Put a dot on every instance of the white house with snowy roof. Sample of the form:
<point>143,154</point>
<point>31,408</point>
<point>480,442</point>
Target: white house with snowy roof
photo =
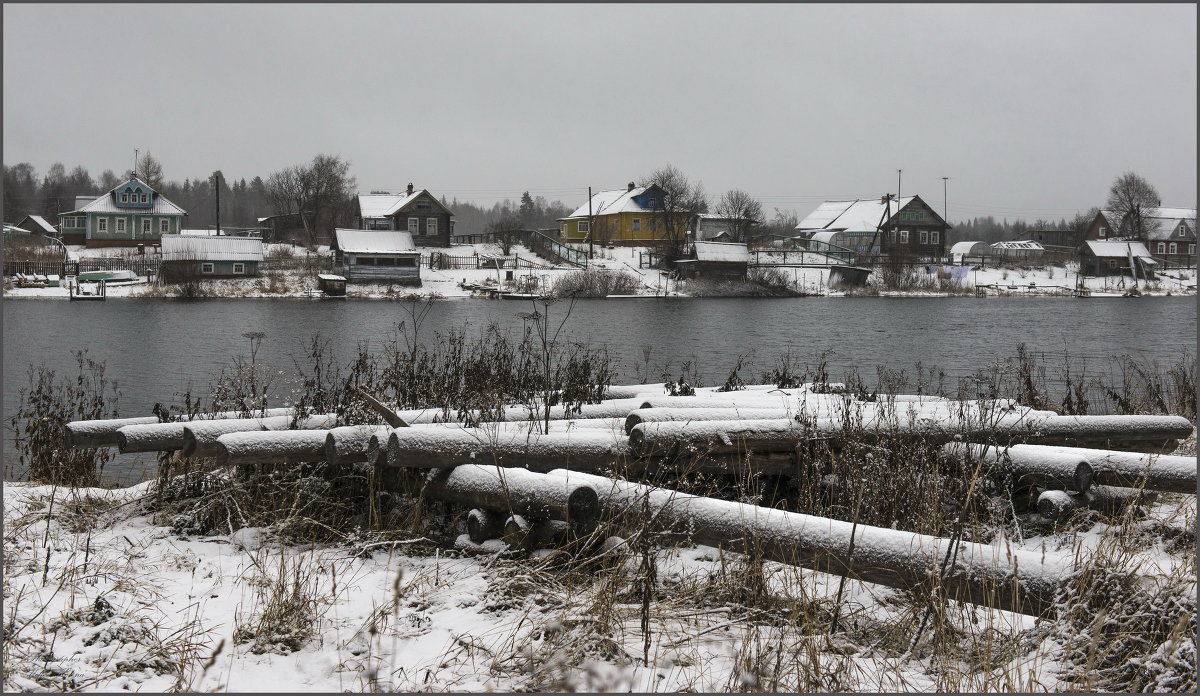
<point>884,226</point>
<point>418,212</point>
<point>132,213</point>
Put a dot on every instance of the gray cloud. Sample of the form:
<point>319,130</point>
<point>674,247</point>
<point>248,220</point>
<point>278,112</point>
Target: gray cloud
<point>1031,110</point>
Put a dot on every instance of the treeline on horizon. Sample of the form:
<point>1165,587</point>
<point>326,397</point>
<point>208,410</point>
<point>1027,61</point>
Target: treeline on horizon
<point>243,201</point>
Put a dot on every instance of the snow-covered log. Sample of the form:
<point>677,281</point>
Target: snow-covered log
<point>523,533</point>
<point>484,524</point>
<point>740,399</point>
<point>670,438</point>
<point>661,415</point>
<point>103,432</point>
<point>349,443</point>
<point>631,391</point>
<point>515,491</point>
<point>1158,472</point>
<point>1062,472</point>
<point>1110,500</point>
<point>264,447</point>
<point>1005,578</point>
<point>200,439</point>
<point>527,426</point>
<point>437,448</point>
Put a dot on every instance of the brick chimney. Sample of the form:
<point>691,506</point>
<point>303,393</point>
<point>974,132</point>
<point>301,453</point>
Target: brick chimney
<point>410,189</point>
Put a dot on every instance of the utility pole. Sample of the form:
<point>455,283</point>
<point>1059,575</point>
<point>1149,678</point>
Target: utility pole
<point>945,213</point>
<point>217,186</point>
<point>591,233</point>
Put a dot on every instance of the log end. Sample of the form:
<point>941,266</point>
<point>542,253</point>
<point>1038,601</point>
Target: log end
<point>583,505</point>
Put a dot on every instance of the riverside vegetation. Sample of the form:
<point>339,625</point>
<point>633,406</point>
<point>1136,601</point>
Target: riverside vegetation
<point>1113,629</point>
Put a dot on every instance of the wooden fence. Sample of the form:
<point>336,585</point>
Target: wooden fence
<point>142,266</point>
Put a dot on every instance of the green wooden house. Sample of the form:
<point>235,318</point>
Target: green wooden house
<point>130,214</point>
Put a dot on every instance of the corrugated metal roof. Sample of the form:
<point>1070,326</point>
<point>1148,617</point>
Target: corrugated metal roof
<point>851,216</point>
<point>105,204</point>
<point>722,251</point>
<point>375,241</point>
<point>1110,249</point>
<point>177,247</point>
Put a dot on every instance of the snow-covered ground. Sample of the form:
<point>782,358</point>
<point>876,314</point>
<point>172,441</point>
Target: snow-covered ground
<point>457,283</point>
<point>101,597</point>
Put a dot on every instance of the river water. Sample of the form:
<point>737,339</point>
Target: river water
<point>156,348</point>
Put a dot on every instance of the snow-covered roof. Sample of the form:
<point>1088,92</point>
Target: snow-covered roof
<point>825,236</point>
<point>969,249</point>
<point>177,247</point>
<point>1115,249</point>
<point>378,205</point>
<point>851,216</point>
<point>375,241</point>
<point>41,223</point>
<point>107,204</point>
<point>15,229</point>
<point>1018,245</point>
<point>611,202</point>
<point>722,251</point>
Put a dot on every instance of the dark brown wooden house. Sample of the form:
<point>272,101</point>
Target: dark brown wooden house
<point>419,213</point>
<point>908,228</point>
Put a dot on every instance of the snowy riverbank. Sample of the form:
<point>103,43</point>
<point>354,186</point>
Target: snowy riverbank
<point>808,281</point>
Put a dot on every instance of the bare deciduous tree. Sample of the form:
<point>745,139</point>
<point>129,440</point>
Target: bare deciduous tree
<point>150,171</point>
<point>681,199</point>
<point>321,193</point>
<point>506,232</point>
<point>1134,200</point>
<point>743,211</point>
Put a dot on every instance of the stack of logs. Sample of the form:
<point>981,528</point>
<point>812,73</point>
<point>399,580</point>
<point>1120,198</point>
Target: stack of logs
<point>536,489</point>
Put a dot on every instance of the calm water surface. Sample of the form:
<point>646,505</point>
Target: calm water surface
<point>156,348</point>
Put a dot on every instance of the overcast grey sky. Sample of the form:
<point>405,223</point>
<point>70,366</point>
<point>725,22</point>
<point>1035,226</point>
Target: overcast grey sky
<point>1031,110</point>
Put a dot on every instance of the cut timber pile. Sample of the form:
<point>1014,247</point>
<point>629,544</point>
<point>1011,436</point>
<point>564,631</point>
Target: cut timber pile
<point>529,487</point>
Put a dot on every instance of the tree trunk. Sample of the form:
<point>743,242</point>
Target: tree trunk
<point>435,448</point>
<point>484,524</point>
<point>200,439</point>
<point>1066,472</point>
<point>103,432</point>
<point>1110,500</point>
<point>350,443</point>
<point>257,447</point>
<point>1005,578</point>
<point>515,491</point>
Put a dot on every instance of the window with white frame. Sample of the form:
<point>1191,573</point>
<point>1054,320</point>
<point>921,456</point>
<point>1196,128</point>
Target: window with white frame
<point>652,203</point>
<point>431,226</point>
<point>1103,232</point>
<point>120,224</point>
<point>414,225</point>
<point>924,236</point>
<point>1162,247</point>
<point>124,197</point>
<point>904,236</point>
<point>101,224</point>
<point>164,226</point>
<point>1112,264</point>
<point>637,224</point>
<point>1192,249</point>
<point>584,227</point>
<point>206,268</point>
<point>239,268</point>
<point>1174,248</point>
<point>935,237</point>
<point>145,225</point>
<point>144,199</point>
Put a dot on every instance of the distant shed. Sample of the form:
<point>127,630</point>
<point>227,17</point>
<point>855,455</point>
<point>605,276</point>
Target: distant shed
<point>727,260</point>
<point>1114,257</point>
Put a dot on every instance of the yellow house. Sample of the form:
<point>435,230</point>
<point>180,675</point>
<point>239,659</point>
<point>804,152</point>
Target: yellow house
<point>631,216</point>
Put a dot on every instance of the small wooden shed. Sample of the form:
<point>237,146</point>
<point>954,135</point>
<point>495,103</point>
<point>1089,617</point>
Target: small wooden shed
<point>387,256</point>
<point>1115,257</point>
<point>726,260</point>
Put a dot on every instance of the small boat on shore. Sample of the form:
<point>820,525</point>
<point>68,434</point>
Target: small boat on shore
<point>112,278</point>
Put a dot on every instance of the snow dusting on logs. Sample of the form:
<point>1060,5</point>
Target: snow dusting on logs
<point>516,491</point>
<point>1004,578</point>
<point>200,439</point>
<point>1151,471</point>
<point>104,432</point>
<point>264,447</point>
<point>349,444</point>
<point>441,448</point>
<point>1064,473</point>
<point>1110,500</point>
